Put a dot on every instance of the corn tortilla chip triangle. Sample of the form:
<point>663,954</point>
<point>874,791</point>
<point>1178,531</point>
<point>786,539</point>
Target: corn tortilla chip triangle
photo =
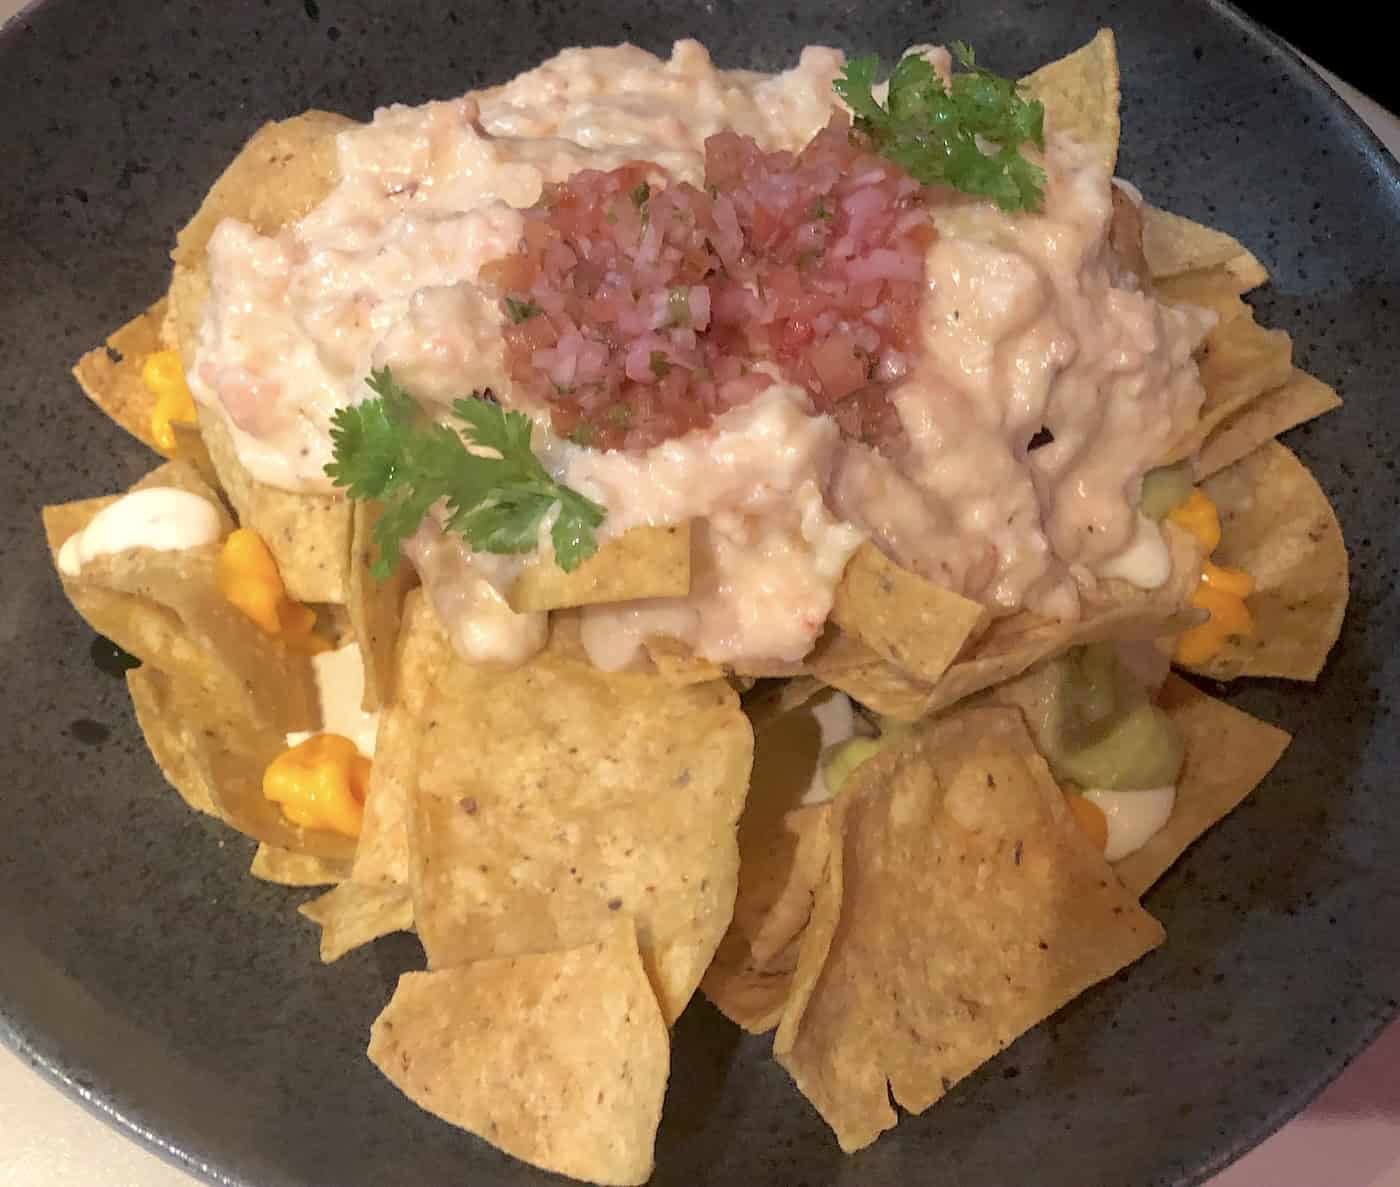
<point>1013,644</point>
<point>285,868</point>
<point>1299,400</point>
<point>382,856</point>
<point>769,700</point>
<point>1277,525</point>
<point>1228,754</point>
<point>560,1058</point>
<point>374,606</point>
<point>912,623</point>
<point>1080,94</point>
<point>110,375</point>
<point>354,914</point>
<point>307,533</point>
<point>1174,245</point>
<point>645,562</point>
<point>280,174</point>
<point>165,609</point>
<point>843,661</point>
<point>553,796</point>
<point>1239,362</point>
<point>677,664</point>
<point>783,851</point>
<point>284,170</point>
<point>1214,289</point>
<point>970,908</point>
<point>173,751</point>
<point>215,757</point>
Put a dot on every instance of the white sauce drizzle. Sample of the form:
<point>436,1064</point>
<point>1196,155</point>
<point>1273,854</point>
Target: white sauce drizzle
<point>1134,817</point>
<point>159,517</point>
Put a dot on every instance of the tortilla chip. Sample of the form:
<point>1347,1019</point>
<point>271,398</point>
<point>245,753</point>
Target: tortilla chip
<point>769,700</point>
<point>1080,94</point>
<point>1174,245</point>
<point>783,851</point>
<point>559,1059</point>
<point>553,796</point>
<point>1014,644</point>
<point>1239,362</point>
<point>110,375</point>
<point>912,623</point>
<point>279,175</point>
<point>215,757</point>
<point>677,664</point>
<point>285,868</point>
<point>190,447</point>
<point>375,607</point>
<point>166,741</point>
<point>353,915</point>
<point>1299,400</point>
<point>284,170</point>
<point>843,661</point>
<point>1277,525</point>
<point>645,562</point>
<point>165,609</point>
<point>1228,753</point>
<point>1214,288</point>
<point>382,856</point>
<point>308,534</point>
<point>971,907</point>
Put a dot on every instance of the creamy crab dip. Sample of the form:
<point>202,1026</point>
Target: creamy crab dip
<point>978,392</point>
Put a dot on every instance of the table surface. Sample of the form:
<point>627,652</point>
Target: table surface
<point>1349,1137</point>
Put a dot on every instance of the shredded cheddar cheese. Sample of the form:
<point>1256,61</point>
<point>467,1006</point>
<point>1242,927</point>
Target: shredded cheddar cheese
<point>248,578</point>
<point>164,378</point>
<point>320,783</point>
<point>1221,592</point>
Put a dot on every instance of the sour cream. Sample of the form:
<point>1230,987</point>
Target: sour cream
<point>340,681</point>
<point>161,518</point>
<point>1134,817</point>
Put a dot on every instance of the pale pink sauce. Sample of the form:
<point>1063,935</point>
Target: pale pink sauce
<point>1028,322</point>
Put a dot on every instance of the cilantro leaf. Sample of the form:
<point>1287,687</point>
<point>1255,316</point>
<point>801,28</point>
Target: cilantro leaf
<point>521,310</point>
<point>968,135</point>
<point>497,493</point>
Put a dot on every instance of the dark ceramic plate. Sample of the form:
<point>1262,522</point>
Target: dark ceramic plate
<point>142,968</point>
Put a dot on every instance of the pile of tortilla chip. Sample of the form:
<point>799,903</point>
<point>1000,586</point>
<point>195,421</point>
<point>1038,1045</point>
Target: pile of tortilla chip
<point>579,851</point>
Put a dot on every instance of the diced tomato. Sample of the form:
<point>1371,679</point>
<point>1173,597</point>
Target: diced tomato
<point>638,308</point>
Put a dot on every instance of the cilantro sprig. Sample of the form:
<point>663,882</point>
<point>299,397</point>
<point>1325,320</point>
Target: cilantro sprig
<point>968,136</point>
<point>384,450</point>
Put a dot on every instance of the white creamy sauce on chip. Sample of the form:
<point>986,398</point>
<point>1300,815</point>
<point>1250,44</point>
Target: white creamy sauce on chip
<point>161,518</point>
<point>837,722</point>
<point>766,552</point>
<point>1134,817</point>
<point>468,591</point>
<point>1029,323</point>
<point>340,682</point>
<point>1027,328</point>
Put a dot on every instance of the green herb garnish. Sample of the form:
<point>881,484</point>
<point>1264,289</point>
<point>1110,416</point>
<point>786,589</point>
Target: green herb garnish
<point>385,451</point>
<point>967,136</point>
<point>521,310</point>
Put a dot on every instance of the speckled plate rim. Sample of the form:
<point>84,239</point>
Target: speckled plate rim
<point>44,1050</point>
